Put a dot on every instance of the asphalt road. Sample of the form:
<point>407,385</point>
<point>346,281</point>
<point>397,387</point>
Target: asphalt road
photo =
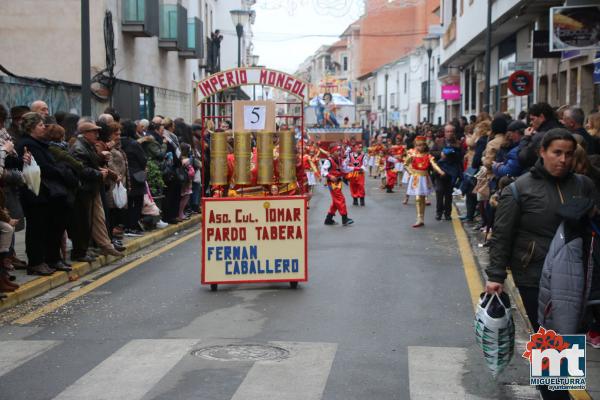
<point>386,314</point>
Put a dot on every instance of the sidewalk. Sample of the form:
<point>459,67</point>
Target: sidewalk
<point>33,286</point>
<point>481,253</point>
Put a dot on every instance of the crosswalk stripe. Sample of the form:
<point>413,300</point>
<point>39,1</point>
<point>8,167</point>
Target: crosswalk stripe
<point>14,353</point>
<point>130,372</point>
<point>302,376</point>
<point>437,373</point>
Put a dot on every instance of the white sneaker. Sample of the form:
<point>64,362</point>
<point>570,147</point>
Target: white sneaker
<point>161,224</point>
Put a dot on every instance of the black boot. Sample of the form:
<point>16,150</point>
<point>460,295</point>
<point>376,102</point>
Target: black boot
<point>329,220</point>
<point>346,221</point>
<point>355,201</point>
<point>362,201</point>
<point>389,190</point>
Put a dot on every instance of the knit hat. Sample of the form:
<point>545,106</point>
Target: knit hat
<point>499,125</point>
<point>516,126</point>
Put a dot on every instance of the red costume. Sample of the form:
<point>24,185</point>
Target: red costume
<point>334,172</point>
<point>356,178</point>
<point>391,175</point>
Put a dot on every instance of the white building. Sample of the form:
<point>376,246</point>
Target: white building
<point>404,83</point>
<point>160,48</point>
<point>556,81</point>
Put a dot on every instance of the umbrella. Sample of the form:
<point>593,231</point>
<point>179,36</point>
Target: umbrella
<point>336,99</point>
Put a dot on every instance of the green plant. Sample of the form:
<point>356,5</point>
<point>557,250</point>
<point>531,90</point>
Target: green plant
<point>154,178</point>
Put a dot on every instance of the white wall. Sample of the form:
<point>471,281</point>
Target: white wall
<point>472,22</point>
<point>229,45</point>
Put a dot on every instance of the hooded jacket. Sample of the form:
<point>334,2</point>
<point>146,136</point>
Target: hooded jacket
<point>524,227</point>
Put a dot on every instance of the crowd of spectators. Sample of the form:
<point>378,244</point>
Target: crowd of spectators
<point>553,156</point>
<point>99,181</point>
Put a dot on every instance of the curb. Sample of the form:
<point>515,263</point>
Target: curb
<point>511,289</point>
<point>44,284</point>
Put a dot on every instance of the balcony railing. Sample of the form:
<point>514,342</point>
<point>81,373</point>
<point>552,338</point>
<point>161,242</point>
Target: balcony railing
<point>173,26</point>
<point>195,47</point>
<point>140,17</point>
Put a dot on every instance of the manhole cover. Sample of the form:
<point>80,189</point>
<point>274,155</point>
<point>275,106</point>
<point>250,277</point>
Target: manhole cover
<point>242,352</point>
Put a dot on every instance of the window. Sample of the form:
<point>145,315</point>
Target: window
<point>473,90</point>
<point>379,101</point>
<point>345,63</point>
<point>206,22</point>
<point>467,91</point>
<point>393,99</point>
<point>405,82</point>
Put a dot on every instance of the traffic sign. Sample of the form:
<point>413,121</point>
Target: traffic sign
<point>523,66</point>
<point>520,83</point>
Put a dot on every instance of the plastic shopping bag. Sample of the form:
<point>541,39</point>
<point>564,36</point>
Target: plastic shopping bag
<point>150,208</point>
<point>33,176</point>
<point>495,330</point>
<point>120,195</point>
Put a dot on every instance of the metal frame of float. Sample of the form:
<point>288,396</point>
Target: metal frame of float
<point>236,78</point>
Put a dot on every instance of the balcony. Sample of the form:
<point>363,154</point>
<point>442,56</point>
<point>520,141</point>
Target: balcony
<point>140,17</point>
<point>195,46</point>
<point>173,26</point>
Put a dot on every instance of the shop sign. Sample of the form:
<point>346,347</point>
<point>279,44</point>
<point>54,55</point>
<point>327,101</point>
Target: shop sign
<point>451,92</point>
<point>541,45</point>
<point>574,28</point>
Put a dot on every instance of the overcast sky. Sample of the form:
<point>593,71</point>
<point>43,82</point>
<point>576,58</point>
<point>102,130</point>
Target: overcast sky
<point>281,28</point>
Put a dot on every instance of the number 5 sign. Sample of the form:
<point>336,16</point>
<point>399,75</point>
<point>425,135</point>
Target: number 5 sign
<point>254,116</point>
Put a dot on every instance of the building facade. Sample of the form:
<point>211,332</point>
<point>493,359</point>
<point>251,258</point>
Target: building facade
<point>145,54</point>
<point>568,79</point>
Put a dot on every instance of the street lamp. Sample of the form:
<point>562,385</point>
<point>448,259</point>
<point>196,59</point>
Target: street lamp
<point>385,115</point>
<point>254,63</point>
<point>253,60</point>
<point>429,42</point>
<point>240,18</point>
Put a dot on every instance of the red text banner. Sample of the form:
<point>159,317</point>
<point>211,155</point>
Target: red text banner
<point>252,76</point>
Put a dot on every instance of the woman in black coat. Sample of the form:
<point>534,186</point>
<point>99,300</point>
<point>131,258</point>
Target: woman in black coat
<point>136,160</point>
<point>45,212</point>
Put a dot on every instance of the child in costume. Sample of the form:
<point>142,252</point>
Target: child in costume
<point>406,174</point>
<point>334,169</point>
<point>418,165</point>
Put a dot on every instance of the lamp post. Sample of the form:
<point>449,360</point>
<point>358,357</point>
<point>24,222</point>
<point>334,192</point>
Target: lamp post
<point>385,114</point>
<point>429,42</point>
<point>240,18</point>
<point>254,63</point>
<point>86,98</point>
<point>488,58</point>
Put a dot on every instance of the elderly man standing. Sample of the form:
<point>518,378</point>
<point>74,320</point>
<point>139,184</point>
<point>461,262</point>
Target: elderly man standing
<point>574,119</point>
<point>88,197</point>
<point>449,158</point>
<point>41,108</point>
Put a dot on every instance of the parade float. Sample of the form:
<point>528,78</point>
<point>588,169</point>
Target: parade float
<point>254,226</point>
